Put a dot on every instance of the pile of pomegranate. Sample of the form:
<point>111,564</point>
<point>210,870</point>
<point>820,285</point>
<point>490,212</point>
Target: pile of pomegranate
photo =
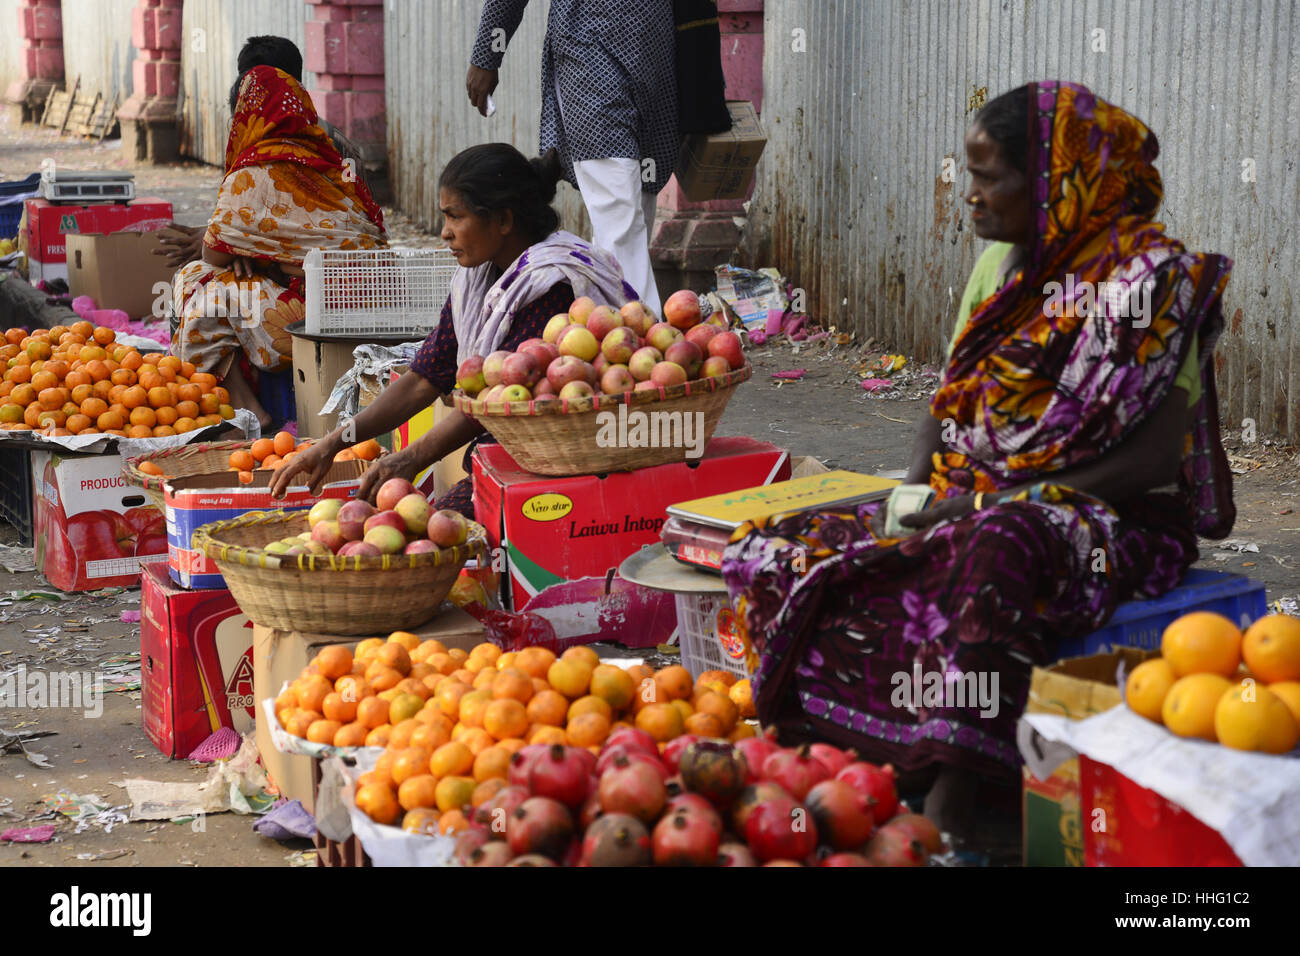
<point>701,802</point>
<point>598,349</point>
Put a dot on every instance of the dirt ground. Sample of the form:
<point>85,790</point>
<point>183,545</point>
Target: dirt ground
<point>825,414</point>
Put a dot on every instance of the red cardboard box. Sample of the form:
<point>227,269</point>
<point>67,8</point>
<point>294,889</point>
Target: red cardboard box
<point>196,664</point>
<point>48,224</point>
<point>1140,827</point>
<point>202,499</point>
<point>93,529</point>
<point>563,539</point>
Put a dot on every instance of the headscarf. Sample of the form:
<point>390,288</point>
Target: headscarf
<point>1034,390</point>
<point>482,308</point>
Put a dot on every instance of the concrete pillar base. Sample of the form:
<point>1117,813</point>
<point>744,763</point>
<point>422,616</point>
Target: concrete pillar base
<point>150,130</point>
<point>688,245</point>
<point>24,101</point>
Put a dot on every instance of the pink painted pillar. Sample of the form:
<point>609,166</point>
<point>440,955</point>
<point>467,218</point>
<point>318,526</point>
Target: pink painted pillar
<point>149,118</point>
<point>345,49</point>
<point>692,237</point>
<point>40,24</point>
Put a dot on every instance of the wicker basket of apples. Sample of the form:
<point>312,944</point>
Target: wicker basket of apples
<point>344,567</point>
<point>607,390</point>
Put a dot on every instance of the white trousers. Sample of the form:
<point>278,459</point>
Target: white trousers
<point>622,217</point>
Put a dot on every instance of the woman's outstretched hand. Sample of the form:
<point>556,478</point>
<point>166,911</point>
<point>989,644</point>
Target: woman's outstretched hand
<point>400,464</point>
<point>312,462</point>
<point>949,509</point>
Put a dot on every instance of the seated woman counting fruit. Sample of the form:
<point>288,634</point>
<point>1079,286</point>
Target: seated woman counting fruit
<point>286,191</point>
<point>518,272</point>
<point>1072,448</point>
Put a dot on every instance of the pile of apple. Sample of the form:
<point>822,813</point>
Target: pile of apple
<point>403,523</point>
<point>595,348</point>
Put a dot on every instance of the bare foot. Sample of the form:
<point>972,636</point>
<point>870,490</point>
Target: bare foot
<point>241,396</point>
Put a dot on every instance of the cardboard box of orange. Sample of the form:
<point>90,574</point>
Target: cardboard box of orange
<point>279,656</point>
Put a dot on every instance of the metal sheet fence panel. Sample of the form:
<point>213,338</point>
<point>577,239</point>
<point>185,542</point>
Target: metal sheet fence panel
<point>213,31</point>
<point>426,49</point>
<point>852,205</point>
<point>97,46</point>
<point>11,44</point>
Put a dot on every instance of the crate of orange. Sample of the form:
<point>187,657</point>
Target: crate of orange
<point>198,484</point>
<point>79,380</point>
<point>329,593</point>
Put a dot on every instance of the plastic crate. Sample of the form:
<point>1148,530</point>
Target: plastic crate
<point>376,291</point>
<point>12,196</point>
<point>706,633</point>
<point>275,392</point>
<point>16,492</point>
<point>1141,623</point>
<point>21,188</point>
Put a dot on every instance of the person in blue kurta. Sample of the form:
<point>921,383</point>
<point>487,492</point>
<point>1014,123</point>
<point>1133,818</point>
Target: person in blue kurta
<point>609,107</point>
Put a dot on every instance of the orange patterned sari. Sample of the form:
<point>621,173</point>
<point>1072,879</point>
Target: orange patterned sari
<point>286,191</point>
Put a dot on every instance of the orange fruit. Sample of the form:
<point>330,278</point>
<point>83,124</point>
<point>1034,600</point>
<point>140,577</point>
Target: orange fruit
<point>378,802</point>
<point>409,762</point>
<point>411,685</point>
<point>570,677</point>
<point>1289,693</point>
<point>583,655</point>
<point>661,721</point>
<point>1251,717</point>
<point>144,415</point>
<point>512,683</point>
<point>378,737</point>
<point>1202,642</point>
<point>282,444</point>
<point>548,707</point>
<point>299,723</point>
<point>451,759</point>
<point>422,820</point>
<point>79,423</point>
<point>367,450</point>
<point>372,711</point>
<point>262,448</point>
<point>313,691</point>
<point>418,791</point>
<point>588,730</point>
<point>351,735</point>
<point>453,821</point>
<point>673,683</point>
<point>548,735</point>
<point>684,708</point>
<point>381,677</point>
<point>167,416</point>
<point>486,790</point>
<point>742,731</point>
<point>449,696</point>
<point>473,706</point>
<point>420,654</point>
<point>704,725</point>
<point>333,662</point>
<point>191,410</point>
<point>430,736</point>
<point>404,706</point>
<point>395,656</point>
<point>323,731</point>
<point>533,661</point>
<point>487,651</point>
<point>590,704</point>
<point>335,707</point>
<point>1147,686</point>
<point>506,717</point>
<point>1271,648</point>
<point>454,792</point>
<point>492,763</point>
<point>720,706</point>
<point>1188,709</point>
<point>742,695</point>
<point>613,685</point>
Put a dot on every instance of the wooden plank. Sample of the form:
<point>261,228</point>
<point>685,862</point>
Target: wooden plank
<point>71,99</point>
<point>49,99</point>
<point>83,112</point>
<point>107,118</point>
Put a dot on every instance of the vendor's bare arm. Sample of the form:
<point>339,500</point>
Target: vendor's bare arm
<point>928,441</point>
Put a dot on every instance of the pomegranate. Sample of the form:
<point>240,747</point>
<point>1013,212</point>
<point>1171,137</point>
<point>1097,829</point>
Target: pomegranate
<point>919,828</point>
<point>751,797</point>
<point>531,859</point>
<point>693,803</point>
<point>875,783</point>
<point>895,847</point>
<point>684,839</point>
<point>608,756</point>
<point>735,854</point>
<point>588,759</point>
<point>496,812</point>
<point>781,829</point>
<point>540,825</point>
<point>590,811</point>
<point>632,787</point>
<point>521,764</point>
<point>616,839</point>
<point>634,738</point>
<point>469,841</point>
<point>561,775</point>
<point>673,750</point>
<point>756,750</point>
<point>783,863</point>
<point>834,758</point>
<point>844,816</point>
<point>715,770</point>
<point>795,770</point>
<point>845,859</point>
<point>493,853</point>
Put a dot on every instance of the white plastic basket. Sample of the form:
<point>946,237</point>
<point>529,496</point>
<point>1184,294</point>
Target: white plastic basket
<point>706,632</point>
<point>359,292</point>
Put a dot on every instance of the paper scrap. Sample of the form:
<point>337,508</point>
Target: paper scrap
<point>41,834</point>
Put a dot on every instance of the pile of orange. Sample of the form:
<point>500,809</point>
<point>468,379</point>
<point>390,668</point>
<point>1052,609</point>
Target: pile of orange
<point>1212,682</point>
<point>77,380</point>
<point>450,720</point>
<point>273,452</point>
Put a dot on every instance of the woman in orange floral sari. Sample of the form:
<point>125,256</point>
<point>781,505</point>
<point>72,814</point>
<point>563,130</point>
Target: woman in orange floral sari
<point>286,191</point>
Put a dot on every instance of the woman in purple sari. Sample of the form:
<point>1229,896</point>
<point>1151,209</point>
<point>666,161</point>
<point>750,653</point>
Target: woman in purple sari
<point>1072,445</point>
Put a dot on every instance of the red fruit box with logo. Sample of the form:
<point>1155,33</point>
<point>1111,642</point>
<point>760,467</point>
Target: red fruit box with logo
<point>93,528</point>
<point>562,539</point>
<point>49,224</point>
<point>196,664</point>
<point>202,499</point>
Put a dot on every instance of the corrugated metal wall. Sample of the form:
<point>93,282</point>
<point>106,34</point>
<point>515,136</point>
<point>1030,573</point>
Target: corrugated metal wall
<point>426,50</point>
<point>97,46</point>
<point>851,205</point>
<point>11,44</point>
<point>208,63</point>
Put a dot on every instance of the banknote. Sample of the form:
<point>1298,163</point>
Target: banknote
<point>905,500</point>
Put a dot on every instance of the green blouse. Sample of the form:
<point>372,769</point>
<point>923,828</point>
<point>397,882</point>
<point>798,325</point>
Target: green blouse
<point>986,278</point>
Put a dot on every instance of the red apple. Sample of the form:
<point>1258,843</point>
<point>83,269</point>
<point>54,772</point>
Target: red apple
<point>617,380</point>
<point>543,388</point>
<point>363,549</point>
<point>727,345</point>
<point>554,326</point>
<point>352,518</point>
<point>543,353</point>
<point>714,366</point>
<point>327,509</point>
<point>682,310</point>
<point>493,366</point>
<point>391,492</point>
<point>390,519</point>
<point>447,528</point>
<point>577,340</point>
<point>415,511</point>
<point>668,373</point>
<point>386,538</point>
<point>619,345</point>
<point>576,390</point>
<point>600,364</point>
<point>493,394</point>
<point>469,376</point>
<point>643,360</point>
<point>662,335</point>
<point>516,393</point>
<point>327,533</point>
<point>581,308</point>
<point>637,317</point>
<point>646,386</point>
<point>420,546</point>
<point>701,334</point>
<point>687,355</point>
<point>519,368</point>
<point>602,321</point>
<point>566,369</point>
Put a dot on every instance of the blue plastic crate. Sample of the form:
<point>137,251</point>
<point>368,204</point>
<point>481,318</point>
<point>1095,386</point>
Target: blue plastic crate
<point>1141,623</point>
<point>12,196</point>
<point>275,392</point>
<point>11,213</point>
<point>20,187</point>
